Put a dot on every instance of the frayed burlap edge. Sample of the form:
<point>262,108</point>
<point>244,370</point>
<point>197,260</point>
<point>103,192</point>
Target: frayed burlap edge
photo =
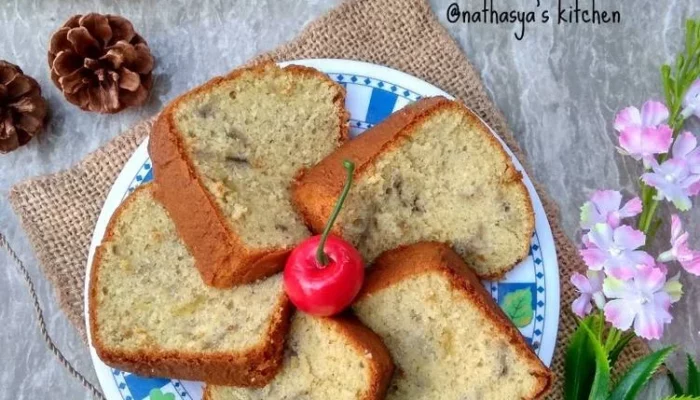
<point>59,213</point>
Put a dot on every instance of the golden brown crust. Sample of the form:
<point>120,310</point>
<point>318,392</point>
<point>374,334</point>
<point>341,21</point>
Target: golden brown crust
<point>207,393</point>
<point>430,257</point>
<point>316,189</point>
<point>253,368</point>
<point>368,344</point>
<point>221,257</point>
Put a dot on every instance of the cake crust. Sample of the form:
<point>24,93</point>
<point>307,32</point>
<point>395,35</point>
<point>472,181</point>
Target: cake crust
<point>364,341</point>
<point>429,257</point>
<point>316,189</point>
<point>221,256</point>
<point>252,368</point>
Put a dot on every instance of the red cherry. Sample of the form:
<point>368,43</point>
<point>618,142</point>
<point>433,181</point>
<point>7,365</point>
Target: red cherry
<point>324,273</point>
<point>323,290</point>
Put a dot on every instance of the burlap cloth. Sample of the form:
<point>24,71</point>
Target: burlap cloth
<point>59,211</point>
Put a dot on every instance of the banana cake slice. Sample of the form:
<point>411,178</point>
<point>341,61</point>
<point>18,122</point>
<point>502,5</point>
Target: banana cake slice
<point>448,338</point>
<point>430,172</point>
<point>225,154</point>
<point>326,359</point>
<point>151,313</point>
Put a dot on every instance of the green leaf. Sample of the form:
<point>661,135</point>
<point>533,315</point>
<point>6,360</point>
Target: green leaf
<point>675,384</point>
<point>619,347</point>
<point>667,82</point>
<point>666,74</point>
<point>693,378</point>
<point>579,363</point>
<point>689,34</point>
<point>518,306</point>
<point>601,379</point>
<point>597,326</point>
<point>678,77</point>
<point>156,394</point>
<point>611,339</point>
<point>683,397</point>
<point>638,375</point>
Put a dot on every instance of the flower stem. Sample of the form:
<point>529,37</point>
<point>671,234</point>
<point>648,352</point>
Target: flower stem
<point>654,228</point>
<point>650,216</point>
<point>647,193</point>
<point>321,256</point>
<point>650,203</point>
<point>612,338</point>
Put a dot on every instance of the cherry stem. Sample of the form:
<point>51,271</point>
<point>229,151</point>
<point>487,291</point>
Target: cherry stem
<point>321,256</point>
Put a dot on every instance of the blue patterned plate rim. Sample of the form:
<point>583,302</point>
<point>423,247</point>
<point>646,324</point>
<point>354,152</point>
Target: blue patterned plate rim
<point>529,294</point>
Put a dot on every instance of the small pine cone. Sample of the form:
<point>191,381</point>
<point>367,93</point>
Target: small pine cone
<point>100,63</point>
<point>22,109</point>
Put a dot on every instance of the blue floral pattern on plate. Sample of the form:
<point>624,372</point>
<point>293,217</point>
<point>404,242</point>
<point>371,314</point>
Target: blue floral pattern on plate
<point>522,294</point>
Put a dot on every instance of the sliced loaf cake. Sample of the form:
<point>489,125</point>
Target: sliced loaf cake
<point>151,313</point>
<point>326,359</point>
<point>448,338</point>
<point>224,157</point>
<point>432,171</point>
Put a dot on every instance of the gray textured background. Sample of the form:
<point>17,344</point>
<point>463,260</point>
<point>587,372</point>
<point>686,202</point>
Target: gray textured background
<point>559,88</point>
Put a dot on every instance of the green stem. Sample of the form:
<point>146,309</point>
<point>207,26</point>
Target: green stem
<point>601,320</point>
<point>612,339</point>
<point>321,256</point>
<point>650,216</point>
<point>654,228</point>
<point>646,190</point>
<point>648,207</point>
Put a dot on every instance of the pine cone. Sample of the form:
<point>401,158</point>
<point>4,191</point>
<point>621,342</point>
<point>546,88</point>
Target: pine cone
<point>22,109</point>
<point>100,63</point>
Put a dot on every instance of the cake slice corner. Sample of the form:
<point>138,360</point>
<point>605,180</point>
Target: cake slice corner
<point>151,314</point>
<point>225,154</point>
<point>445,333</point>
<point>432,171</point>
<point>326,358</point>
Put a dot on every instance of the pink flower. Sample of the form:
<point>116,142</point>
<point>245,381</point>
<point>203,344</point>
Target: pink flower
<point>604,207</point>
<point>678,178</point>
<point>689,259</point>
<point>615,250</point>
<point>641,301</point>
<point>674,181</point>
<point>691,101</point>
<point>685,148</point>
<point>590,287</point>
<point>643,134</point>
<point>694,189</point>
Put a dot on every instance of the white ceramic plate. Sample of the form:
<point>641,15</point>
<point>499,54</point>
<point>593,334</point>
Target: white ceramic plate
<point>529,294</point>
